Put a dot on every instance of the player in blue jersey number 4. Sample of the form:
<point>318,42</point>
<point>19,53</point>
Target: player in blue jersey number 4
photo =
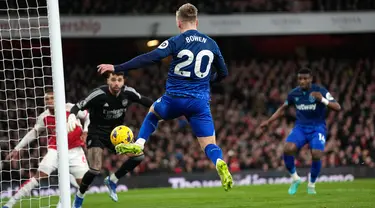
<point>187,88</point>
<point>311,102</point>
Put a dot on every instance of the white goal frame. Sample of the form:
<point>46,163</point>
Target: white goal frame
<point>59,92</point>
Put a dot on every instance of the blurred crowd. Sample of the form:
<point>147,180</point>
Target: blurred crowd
<point>136,7</point>
<point>143,7</point>
<point>252,92</point>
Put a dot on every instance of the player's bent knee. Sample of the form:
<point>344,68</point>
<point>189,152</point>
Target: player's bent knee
<point>94,171</point>
<point>316,154</point>
<point>78,173</point>
<point>290,148</point>
<point>204,141</point>
<point>77,183</point>
<point>94,157</point>
<point>44,171</point>
<point>41,174</point>
<point>152,110</point>
<point>96,165</point>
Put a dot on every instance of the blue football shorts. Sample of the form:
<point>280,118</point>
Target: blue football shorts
<point>315,136</point>
<point>197,112</point>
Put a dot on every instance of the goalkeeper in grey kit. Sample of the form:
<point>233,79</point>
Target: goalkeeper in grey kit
<point>107,106</point>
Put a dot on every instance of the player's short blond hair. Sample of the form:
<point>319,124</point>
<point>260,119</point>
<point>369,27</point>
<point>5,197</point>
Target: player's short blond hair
<point>187,12</point>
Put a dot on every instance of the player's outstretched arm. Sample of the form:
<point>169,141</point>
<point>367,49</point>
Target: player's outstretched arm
<point>29,137</point>
<point>152,57</point>
<point>279,113</point>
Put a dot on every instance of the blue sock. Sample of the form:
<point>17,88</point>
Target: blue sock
<point>289,163</point>
<point>213,152</point>
<point>148,126</point>
<point>315,170</point>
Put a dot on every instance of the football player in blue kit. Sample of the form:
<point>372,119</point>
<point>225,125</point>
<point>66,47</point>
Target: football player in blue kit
<point>311,102</point>
<point>187,88</point>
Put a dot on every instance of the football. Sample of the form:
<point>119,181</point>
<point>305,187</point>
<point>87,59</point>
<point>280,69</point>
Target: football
<point>121,134</point>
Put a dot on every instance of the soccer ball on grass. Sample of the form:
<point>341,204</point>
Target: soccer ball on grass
<point>121,134</point>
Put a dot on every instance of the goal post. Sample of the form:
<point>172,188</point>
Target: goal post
<point>30,63</point>
<point>59,92</point>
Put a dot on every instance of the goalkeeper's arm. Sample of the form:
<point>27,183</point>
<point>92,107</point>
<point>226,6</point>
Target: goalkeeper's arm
<point>94,97</point>
<point>138,98</point>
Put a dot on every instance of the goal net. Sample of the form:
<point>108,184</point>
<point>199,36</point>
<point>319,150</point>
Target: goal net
<point>25,75</point>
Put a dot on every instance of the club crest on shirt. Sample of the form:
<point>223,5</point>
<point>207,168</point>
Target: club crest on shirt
<point>124,102</point>
<point>296,99</point>
<point>164,45</point>
<point>311,99</point>
<point>329,96</point>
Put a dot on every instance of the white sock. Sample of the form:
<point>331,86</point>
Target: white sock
<point>141,142</point>
<point>80,195</point>
<point>217,160</point>
<point>295,176</point>
<point>113,178</point>
<point>311,184</point>
<point>23,191</point>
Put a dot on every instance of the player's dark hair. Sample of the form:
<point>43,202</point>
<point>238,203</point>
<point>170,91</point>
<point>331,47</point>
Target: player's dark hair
<point>305,71</point>
<point>187,12</point>
<point>108,74</point>
<point>48,90</point>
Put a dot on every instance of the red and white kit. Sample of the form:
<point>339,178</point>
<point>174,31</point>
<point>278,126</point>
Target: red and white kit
<point>77,160</point>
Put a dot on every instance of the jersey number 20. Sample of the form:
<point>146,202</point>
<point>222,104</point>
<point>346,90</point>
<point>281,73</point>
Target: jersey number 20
<point>197,65</point>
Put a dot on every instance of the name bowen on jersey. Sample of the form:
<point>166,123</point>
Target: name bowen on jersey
<point>189,72</point>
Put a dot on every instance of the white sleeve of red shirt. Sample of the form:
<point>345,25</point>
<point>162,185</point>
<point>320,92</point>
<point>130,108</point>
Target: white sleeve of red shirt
<point>34,132</point>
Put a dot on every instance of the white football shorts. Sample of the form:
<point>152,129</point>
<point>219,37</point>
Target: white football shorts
<point>77,162</point>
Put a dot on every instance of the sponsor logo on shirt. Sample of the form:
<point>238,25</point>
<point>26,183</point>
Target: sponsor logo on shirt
<point>306,107</point>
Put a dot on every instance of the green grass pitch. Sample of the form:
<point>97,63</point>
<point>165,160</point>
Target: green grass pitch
<point>360,193</point>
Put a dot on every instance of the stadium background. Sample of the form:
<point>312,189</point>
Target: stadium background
<point>262,70</point>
